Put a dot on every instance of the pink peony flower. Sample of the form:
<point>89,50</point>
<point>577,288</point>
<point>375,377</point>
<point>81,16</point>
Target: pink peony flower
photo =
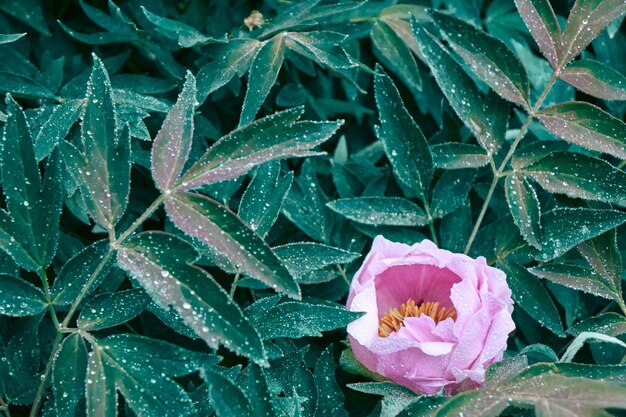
<point>434,319</point>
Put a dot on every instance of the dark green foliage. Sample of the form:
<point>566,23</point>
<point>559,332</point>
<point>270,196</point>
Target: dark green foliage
<point>188,188</point>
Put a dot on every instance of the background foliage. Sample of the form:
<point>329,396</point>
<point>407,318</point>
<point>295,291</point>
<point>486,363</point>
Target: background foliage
<point>163,253</point>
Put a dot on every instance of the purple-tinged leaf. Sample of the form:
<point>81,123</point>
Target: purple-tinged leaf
<point>596,79</point>
<point>29,229</point>
<point>101,165</point>
<point>380,211</point>
<point>489,58</point>
<point>262,77</point>
<point>544,27</point>
<point>578,277</point>
<point>453,155</point>
<point>217,226</point>
<point>586,20</point>
<point>172,144</point>
<point>460,90</point>
<point>603,255</point>
<point>524,207</point>
<point>581,176</point>
<point>586,125</point>
<point>162,264</point>
<point>277,136</point>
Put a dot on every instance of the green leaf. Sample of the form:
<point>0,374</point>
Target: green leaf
<point>303,257</point>
<point>611,324</point>
<point>68,375</point>
<point>451,191</point>
<point>394,53</point>
<point>29,12</point>
<point>577,277</point>
<point>453,155</point>
<point>586,125</point>
<point>23,86</point>
<point>263,74</point>
<point>544,27</point>
<point>489,58</point>
<point>19,298</point>
<point>459,89</point>
<point>603,255</point>
<point>579,176</point>
<point>564,228</point>
<point>277,136</point>
<point>525,208</point>
<point>586,20</point>
<point>162,265</point>
<point>10,37</point>
<point>217,226</point>
<point>186,36</point>
<point>550,393</point>
<point>263,199</point>
<point>117,362</point>
<point>258,392</point>
<point>596,79</point>
<point>330,399</point>
<point>532,297</point>
<point>380,211</point>
<point>79,270</point>
<point>29,229</point>
<point>404,143</point>
<point>297,319</point>
<point>56,127</point>
<point>396,397</point>
<point>227,398</point>
<point>101,167</point>
<point>112,309</point>
<point>235,60</point>
<point>172,144</point>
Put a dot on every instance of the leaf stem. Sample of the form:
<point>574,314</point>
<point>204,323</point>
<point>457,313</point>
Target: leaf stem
<point>44,379</point>
<point>233,286</point>
<point>5,408</point>
<point>509,155</point>
<point>46,291</point>
<point>144,216</point>
<point>431,222</point>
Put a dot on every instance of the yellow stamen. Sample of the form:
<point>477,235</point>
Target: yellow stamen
<point>393,319</point>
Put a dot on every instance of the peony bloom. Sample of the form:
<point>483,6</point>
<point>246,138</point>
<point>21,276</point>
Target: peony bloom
<point>434,319</point>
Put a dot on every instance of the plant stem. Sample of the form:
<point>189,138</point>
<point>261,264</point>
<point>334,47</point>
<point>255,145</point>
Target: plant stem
<point>44,379</point>
<point>46,291</point>
<point>509,155</point>
<point>144,216</point>
<point>5,408</point>
<point>233,286</point>
<point>431,222</point>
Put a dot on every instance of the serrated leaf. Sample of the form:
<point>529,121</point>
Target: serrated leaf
<point>586,125</point>
<point>586,20</point>
<point>172,144</point>
<point>579,175</point>
<point>263,199</point>
<point>297,319</point>
<point>56,127</point>
<point>453,155</point>
<point>185,35</point>
<point>577,277</point>
<point>394,53</point>
<point>116,362</point>
<point>19,298</point>
<point>277,136</point>
<point>162,264</point>
<point>611,324</point>
<point>404,143</point>
<point>532,297</point>
<point>525,209</point>
<point>29,229</point>
<point>451,191</point>
<point>101,167</point>
<point>544,27</point>
<point>303,257</point>
<point>217,226</point>
<point>380,211</point>
<point>84,266</point>
<point>564,228</point>
<point>489,58</point>
<point>596,79</point>
<point>68,375</point>
<point>235,60</point>
<point>550,393</point>
<point>262,76</point>
<point>111,309</point>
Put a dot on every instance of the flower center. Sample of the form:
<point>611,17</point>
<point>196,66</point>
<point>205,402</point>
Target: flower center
<point>393,319</point>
